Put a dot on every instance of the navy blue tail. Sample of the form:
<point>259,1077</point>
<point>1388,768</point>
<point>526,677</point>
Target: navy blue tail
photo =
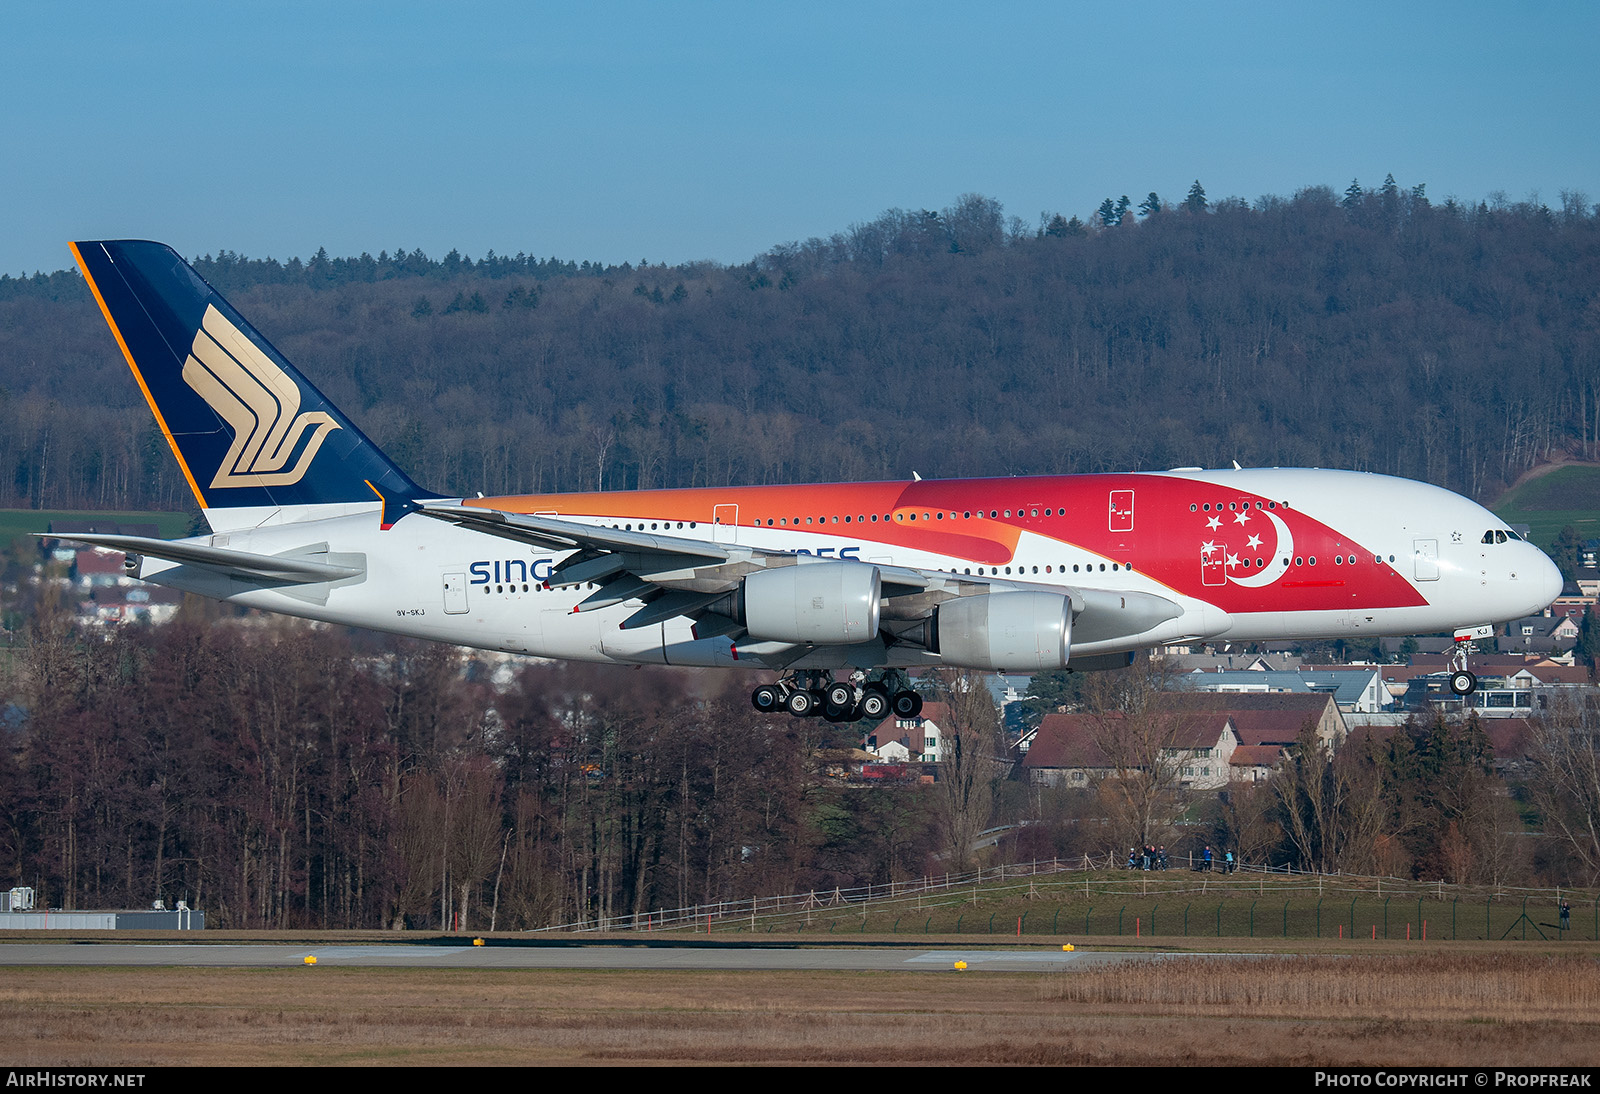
<point>247,428</point>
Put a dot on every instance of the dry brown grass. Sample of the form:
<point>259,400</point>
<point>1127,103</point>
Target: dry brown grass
<point>1357,1010</point>
<point>1501,987</point>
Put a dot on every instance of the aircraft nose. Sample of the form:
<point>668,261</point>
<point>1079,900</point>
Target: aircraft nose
<point>1548,580</point>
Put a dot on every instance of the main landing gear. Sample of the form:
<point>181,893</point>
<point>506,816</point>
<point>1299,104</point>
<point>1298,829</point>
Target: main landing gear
<point>809,692</point>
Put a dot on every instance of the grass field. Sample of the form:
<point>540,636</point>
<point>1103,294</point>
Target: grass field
<point>1459,1009</point>
<point>1548,503</point>
<point>1181,904</point>
<point>17,523</point>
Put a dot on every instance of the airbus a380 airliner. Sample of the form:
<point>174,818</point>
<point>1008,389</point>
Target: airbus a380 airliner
<point>837,587</point>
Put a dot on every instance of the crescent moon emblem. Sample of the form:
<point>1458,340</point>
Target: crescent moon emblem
<point>1280,558</point>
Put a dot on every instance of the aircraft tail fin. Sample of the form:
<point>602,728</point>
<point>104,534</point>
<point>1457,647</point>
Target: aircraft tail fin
<point>247,429</point>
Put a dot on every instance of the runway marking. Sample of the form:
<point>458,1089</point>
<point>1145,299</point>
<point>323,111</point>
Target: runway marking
<point>405,953</point>
<point>991,957</point>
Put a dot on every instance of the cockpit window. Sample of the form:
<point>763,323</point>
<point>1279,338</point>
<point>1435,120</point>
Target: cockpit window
<point>1499,535</point>
<point>1488,537</point>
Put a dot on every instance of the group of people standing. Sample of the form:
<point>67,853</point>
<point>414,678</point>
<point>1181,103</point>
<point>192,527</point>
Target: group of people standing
<point>1155,858</point>
<point>1151,858</point>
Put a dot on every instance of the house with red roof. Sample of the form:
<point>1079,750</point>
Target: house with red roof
<point>1254,763</point>
<point>1272,718</point>
<point>1077,750</point>
<point>910,740</point>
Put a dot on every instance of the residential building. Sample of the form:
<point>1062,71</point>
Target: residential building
<point>915,740</point>
<point>1077,750</point>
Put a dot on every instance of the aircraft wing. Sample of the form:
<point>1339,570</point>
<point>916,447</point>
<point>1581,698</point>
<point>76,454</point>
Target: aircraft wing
<point>553,533</point>
<point>608,555</point>
<point>677,576</point>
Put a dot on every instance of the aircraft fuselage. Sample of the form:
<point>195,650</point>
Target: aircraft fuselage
<point>1249,555</point>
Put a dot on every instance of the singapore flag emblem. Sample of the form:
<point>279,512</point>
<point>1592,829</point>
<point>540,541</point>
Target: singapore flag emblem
<point>1231,550</point>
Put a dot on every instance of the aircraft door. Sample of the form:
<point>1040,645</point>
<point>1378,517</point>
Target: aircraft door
<point>1425,553</point>
<point>1121,514</point>
<point>455,594</point>
<point>725,523</point>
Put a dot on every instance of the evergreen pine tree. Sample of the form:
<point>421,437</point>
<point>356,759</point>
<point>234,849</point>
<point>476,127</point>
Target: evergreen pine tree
<point>1587,649</point>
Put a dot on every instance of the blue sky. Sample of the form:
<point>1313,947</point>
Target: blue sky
<point>676,132</point>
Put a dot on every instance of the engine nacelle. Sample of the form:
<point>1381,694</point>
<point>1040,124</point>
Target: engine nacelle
<point>821,603</point>
<point>1018,632</point>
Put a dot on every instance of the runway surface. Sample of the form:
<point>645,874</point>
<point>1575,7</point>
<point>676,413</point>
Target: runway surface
<point>659,956</point>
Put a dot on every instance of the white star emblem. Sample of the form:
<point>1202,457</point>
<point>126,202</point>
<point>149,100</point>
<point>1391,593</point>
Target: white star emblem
<point>1214,524</point>
<point>1241,518</point>
<point>1233,560</point>
<point>1253,542</point>
<point>1207,548</point>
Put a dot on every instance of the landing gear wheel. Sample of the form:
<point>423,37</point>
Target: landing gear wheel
<point>766,699</point>
<point>842,696</point>
<point>874,704</point>
<point>906,704</point>
<point>1463,682</point>
<point>834,713</point>
<point>801,703</point>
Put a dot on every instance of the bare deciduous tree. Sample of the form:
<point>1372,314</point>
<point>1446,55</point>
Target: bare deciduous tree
<point>1138,732</point>
<point>1567,787</point>
<point>1331,807</point>
<point>970,762</point>
<point>1246,821</point>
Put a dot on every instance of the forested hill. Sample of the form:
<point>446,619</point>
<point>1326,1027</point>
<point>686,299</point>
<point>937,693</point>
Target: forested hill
<point>1450,342</point>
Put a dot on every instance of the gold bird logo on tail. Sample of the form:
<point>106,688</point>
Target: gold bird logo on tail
<point>259,400</point>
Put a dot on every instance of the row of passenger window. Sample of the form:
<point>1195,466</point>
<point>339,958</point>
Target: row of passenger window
<point>536,588</point>
<point>936,515</point>
<point>872,518</point>
<point>1206,507</point>
<point>995,571</point>
<point>859,518</point>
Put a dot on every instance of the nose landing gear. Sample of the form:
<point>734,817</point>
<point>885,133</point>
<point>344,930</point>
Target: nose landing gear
<point>1462,682</point>
<point>808,692</point>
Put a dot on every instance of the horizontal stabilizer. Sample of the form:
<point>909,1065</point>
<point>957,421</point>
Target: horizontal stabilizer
<point>291,570</point>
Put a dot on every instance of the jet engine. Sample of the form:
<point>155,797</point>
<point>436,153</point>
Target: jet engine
<point>1018,632</point>
<point>820,603</point>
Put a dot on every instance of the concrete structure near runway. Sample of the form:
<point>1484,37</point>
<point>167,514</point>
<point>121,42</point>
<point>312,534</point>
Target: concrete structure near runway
<point>177,919</point>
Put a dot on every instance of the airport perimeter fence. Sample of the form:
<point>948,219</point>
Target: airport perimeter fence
<point>1091,897</point>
